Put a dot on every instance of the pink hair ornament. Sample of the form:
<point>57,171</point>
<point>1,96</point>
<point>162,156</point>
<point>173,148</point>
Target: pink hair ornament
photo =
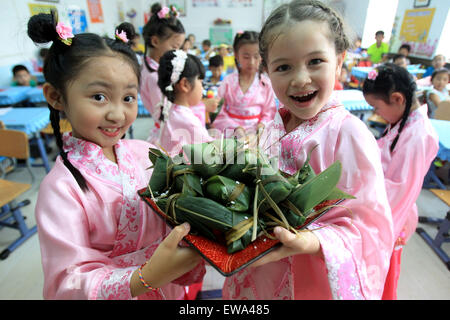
<point>64,33</point>
<point>163,13</point>
<point>122,36</point>
<point>372,74</point>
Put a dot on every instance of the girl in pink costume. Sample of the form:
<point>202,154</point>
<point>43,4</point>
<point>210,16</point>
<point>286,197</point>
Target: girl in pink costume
<point>391,91</point>
<point>180,79</point>
<point>249,98</point>
<point>163,32</point>
<point>345,253</point>
<point>98,239</point>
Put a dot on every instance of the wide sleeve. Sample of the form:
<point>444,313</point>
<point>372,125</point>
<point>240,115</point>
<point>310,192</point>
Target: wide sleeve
<point>404,175</point>
<point>357,237</point>
<point>73,269</point>
<point>269,108</point>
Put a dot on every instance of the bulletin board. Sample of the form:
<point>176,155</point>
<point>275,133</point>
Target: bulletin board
<point>36,8</point>
<point>95,11</point>
<point>219,35</point>
<point>417,24</point>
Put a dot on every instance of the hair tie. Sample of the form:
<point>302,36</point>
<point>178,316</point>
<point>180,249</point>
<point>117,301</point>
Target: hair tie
<point>64,33</point>
<point>178,63</point>
<point>122,36</point>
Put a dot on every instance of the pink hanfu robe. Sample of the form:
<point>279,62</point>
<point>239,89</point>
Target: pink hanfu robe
<point>151,96</point>
<point>356,241</point>
<point>182,127</point>
<point>91,242</point>
<point>248,109</point>
<point>404,171</point>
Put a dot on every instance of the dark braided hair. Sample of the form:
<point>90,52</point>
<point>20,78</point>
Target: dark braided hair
<point>298,11</point>
<point>64,63</point>
<point>392,78</point>
<point>193,68</point>
<point>162,28</point>
<point>246,37</point>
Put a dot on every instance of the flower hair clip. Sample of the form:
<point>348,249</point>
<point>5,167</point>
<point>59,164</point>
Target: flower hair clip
<point>64,33</point>
<point>373,74</point>
<point>178,63</point>
<point>165,12</point>
<point>122,36</point>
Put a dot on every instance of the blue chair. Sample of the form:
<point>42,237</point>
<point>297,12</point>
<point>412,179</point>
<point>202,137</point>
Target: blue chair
<point>10,214</point>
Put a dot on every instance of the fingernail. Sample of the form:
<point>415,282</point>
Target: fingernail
<point>186,225</point>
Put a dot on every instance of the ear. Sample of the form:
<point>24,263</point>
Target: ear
<point>339,61</point>
<point>398,99</point>
<point>53,96</point>
<point>154,40</point>
<point>184,85</point>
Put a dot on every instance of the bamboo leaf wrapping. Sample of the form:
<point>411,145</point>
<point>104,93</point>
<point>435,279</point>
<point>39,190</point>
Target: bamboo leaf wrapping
<point>229,189</point>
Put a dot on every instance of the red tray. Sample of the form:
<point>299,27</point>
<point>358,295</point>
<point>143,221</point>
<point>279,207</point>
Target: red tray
<point>216,253</point>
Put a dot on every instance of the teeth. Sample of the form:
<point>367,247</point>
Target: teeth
<point>304,95</point>
<point>110,129</point>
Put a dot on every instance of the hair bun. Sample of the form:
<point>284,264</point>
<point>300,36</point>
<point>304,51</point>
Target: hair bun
<point>129,30</point>
<point>42,27</point>
<point>155,8</point>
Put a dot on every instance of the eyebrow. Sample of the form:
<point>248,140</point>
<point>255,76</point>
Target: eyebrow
<point>108,85</point>
<point>286,59</point>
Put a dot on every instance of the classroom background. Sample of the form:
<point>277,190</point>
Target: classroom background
<point>422,25</point>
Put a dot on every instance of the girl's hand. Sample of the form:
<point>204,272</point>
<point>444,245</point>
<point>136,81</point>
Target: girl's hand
<point>168,262</point>
<point>211,104</point>
<point>303,243</point>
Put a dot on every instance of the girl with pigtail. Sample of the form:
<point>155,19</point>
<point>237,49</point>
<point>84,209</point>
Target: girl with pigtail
<point>249,99</point>
<point>408,146</point>
<point>97,239</point>
<point>180,80</point>
<point>345,253</point>
<point>163,32</point>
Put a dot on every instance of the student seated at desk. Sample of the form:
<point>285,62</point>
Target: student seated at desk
<point>439,92</point>
<point>22,77</point>
<point>438,62</point>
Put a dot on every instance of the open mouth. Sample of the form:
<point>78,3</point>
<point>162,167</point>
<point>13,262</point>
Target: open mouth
<point>110,131</point>
<point>304,97</point>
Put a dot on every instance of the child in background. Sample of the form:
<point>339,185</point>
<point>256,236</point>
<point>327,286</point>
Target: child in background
<point>376,50</point>
<point>345,253</point>
<point>180,80</point>
<point>405,49</point>
<point>186,47</point>
<point>98,239</point>
<point>249,98</point>
<point>216,78</point>
<point>390,89</point>
<point>400,60</point>
<point>22,77</point>
<point>228,60</point>
<point>163,32</point>
<point>439,92</point>
<point>206,52</point>
<point>342,80</point>
<point>438,62</point>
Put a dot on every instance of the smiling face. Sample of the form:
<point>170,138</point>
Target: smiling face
<point>303,66</point>
<point>101,102</point>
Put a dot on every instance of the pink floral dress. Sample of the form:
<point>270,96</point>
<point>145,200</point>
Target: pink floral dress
<point>356,241</point>
<point>91,242</point>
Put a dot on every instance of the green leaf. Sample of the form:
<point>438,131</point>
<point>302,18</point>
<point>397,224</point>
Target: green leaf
<point>314,191</point>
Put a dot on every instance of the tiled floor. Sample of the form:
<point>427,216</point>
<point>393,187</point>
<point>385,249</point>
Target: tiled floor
<point>424,276</point>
